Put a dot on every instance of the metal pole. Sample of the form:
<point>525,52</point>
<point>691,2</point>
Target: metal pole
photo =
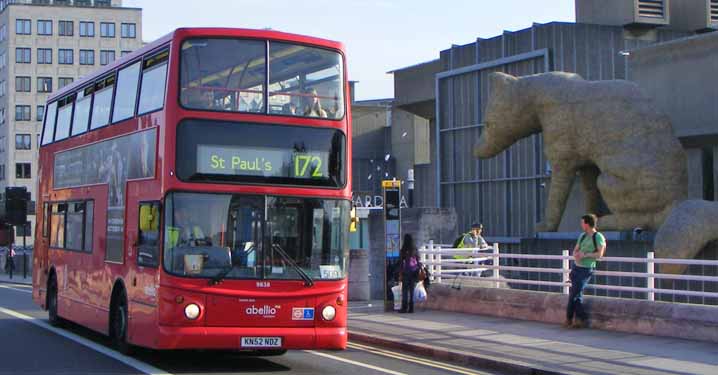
<point>650,280</point>
<point>565,266</point>
<point>11,259</point>
<point>24,250</point>
<point>410,185</point>
<point>438,266</point>
<point>495,271</point>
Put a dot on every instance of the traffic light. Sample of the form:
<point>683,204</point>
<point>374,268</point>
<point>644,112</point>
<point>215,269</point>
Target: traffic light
<point>16,199</point>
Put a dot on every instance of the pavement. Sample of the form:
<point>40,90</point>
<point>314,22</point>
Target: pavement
<point>16,279</point>
<point>32,346</point>
<point>517,347</point>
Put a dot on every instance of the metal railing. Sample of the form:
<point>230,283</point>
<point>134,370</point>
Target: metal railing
<point>19,266</point>
<point>473,264</point>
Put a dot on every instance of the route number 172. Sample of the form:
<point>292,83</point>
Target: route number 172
<point>307,166</point>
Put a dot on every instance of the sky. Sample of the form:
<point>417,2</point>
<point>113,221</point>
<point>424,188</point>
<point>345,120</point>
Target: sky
<point>379,35</point>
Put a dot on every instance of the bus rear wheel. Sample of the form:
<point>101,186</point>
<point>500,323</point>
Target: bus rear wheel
<point>52,315</point>
<point>119,323</point>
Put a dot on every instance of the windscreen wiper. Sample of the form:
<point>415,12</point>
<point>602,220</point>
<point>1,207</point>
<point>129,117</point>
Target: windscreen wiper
<point>225,271</point>
<point>221,275</point>
<point>308,281</point>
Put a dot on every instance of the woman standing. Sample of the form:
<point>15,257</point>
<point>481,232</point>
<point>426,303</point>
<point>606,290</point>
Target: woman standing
<point>409,273</point>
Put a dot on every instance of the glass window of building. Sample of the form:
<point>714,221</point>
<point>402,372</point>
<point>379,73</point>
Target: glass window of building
<point>44,56</point>
<point>40,113</point>
<point>23,55</point>
<point>66,28</point>
<point>125,53</point>
<point>44,27</point>
<point>107,29</point>
<point>87,28</point>
<point>65,56</point>
<point>64,81</point>
<point>129,30</point>
<point>87,57</point>
<point>44,84</point>
<point>23,27</point>
<point>22,113</point>
<point>22,84</point>
<point>22,170</point>
<point>23,142</point>
<point>106,57</point>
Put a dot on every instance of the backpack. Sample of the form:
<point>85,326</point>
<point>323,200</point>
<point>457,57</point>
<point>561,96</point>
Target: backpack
<point>459,241</point>
<point>583,235</point>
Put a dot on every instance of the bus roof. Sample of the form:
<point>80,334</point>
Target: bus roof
<point>194,32</point>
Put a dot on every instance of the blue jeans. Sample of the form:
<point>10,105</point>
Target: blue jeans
<point>579,279</point>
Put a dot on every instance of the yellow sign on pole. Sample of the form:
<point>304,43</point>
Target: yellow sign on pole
<point>388,184</point>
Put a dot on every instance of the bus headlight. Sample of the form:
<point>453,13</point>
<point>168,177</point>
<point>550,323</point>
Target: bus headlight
<point>191,311</point>
<point>329,312</point>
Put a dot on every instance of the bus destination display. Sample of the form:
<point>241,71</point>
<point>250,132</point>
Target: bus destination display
<point>264,162</point>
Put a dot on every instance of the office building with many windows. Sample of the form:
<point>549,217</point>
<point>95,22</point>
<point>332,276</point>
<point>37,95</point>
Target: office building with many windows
<point>44,45</point>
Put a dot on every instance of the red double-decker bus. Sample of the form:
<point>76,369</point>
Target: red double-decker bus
<point>195,194</point>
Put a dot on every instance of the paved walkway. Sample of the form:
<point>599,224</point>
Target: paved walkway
<point>5,278</point>
<point>529,347</point>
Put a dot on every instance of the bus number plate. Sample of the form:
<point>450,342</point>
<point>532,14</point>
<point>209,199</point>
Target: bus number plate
<point>261,342</point>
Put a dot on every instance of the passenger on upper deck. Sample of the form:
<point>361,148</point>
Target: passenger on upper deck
<point>312,105</point>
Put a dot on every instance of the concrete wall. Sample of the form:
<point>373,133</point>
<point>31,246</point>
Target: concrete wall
<point>414,87</point>
<point>682,76</point>
<point>371,142</point>
<point>684,321</point>
<point>425,224</point>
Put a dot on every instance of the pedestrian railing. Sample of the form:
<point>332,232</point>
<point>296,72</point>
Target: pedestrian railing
<point>484,264</point>
<point>19,266</point>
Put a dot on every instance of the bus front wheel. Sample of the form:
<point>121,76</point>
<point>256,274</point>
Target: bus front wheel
<point>119,323</point>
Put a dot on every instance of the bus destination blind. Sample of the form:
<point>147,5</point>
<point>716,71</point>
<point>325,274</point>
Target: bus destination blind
<point>263,162</point>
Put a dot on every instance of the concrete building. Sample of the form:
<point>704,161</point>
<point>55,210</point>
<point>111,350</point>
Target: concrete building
<point>44,45</point>
<point>508,193</point>
<point>682,77</point>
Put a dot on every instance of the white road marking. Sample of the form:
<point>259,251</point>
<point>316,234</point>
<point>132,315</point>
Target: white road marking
<point>151,370</point>
<point>409,358</point>
<point>355,363</point>
<point>129,361</point>
<point>15,289</point>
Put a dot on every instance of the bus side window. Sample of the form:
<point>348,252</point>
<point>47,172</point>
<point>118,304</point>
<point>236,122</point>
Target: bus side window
<point>148,234</point>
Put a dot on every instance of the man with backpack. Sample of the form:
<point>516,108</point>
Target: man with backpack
<point>591,247</point>
<point>469,240</point>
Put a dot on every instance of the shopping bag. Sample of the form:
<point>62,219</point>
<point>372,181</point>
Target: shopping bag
<point>420,292</point>
<point>396,291</point>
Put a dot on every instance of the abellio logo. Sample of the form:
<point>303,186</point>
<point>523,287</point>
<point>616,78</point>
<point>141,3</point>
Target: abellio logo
<point>265,311</point>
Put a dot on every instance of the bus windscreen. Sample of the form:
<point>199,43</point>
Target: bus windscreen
<point>234,75</point>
